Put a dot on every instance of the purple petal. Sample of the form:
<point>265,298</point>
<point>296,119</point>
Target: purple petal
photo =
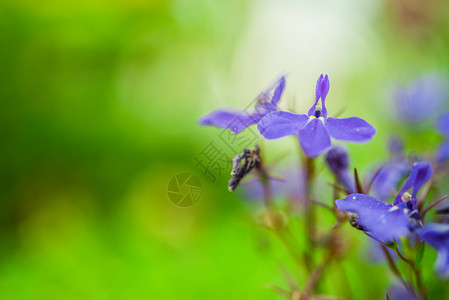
<point>281,123</point>
<point>291,188</point>
<point>278,91</point>
<point>321,91</point>
<point>437,236</point>
<point>324,88</point>
<point>398,292</point>
<point>351,129</point>
<point>443,124</point>
<point>420,173</point>
<point>337,159</point>
<point>235,121</point>
<point>443,152</point>
<point>396,147</point>
<point>384,221</point>
<point>388,178</point>
<point>314,138</point>
<point>318,88</point>
<point>422,99</point>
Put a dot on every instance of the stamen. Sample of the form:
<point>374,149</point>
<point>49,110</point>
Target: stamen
<point>406,197</point>
<point>318,109</point>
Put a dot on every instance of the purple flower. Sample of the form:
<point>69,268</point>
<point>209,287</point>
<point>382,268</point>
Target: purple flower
<point>391,172</point>
<point>386,221</point>
<point>315,129</point>
<point>443,126</point>
<point>437,236</point>
<point>422,99</point>
<point>338,161</point>
<point>236,121</point>
<point>291,187</point>
<point>399,292</point>
<point>420,174</point>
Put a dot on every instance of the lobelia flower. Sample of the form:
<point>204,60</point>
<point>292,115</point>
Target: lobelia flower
<point>422,99</point>
<point>437,236</point>
<point>236,121</point>
<point>338,161</point>
<point>315,129</point>
<point>392,172</point>
<point>385,221</point>
<point>291,187</point>
<point>443,126</point>
<point>399,292</point>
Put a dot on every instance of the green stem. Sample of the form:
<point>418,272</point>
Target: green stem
<point>310,217</point>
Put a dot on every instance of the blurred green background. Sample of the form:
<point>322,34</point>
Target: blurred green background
<point>99,109</point>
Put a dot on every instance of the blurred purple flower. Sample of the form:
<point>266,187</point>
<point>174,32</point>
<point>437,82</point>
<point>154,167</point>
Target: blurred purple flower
<point>315,129</point>
<point>386,221</point>
<point>437,236</point>
<point>422,99</point>
<point>399,292</point>
<point>376,254</point>
<point>443,126</point>
<point>236,121</point>
<point>338,161</point>
<point>292,187</point>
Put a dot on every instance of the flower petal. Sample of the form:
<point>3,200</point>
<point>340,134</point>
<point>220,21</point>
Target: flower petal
<point>398,292</point>
<point>278,91</point>
<point>443,124</point>
<point>321,91</point>
<point>437,236</point>
<point>420,173</point>
<point>236,121</point>
<point>388,178</point>
<point>443,152</point>
<point>383,220</point>
<point>281,123</point>
<point>324,88</point>
<point>422,99</point>
<point>351,129</point>
<point>314,138</point>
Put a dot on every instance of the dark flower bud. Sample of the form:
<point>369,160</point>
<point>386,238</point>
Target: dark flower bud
<point>337,159</point>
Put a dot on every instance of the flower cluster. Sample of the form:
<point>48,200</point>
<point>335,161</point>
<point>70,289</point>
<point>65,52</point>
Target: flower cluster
<point>395,220</point>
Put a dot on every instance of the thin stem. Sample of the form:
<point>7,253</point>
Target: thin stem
<point>416,272</point>
<point>315,276</point>
<point>425,191</point>
<point>310,209</point>
<point>358,183</point>
<point>393,267</point>
<point>322,205</point>
<point>370,183</point>
<point>433,205</point>
<point>339,188</point>
<point>292,251</point>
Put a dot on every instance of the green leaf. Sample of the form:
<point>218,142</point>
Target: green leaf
<point>419,254</point>
<point>393,245</point>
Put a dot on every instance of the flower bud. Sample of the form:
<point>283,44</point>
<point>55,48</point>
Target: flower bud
<point>337,159</point>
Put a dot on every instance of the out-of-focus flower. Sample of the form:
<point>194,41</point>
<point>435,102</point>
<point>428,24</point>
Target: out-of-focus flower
<point>437,236</point>
<point>236,121</point>
<point>399,292</point>
<point>338,161</point>
<point>443,126</point>
<point>292,187</point>
<point>375,252</point>
<point>390,173</point>
<point>421,100</point>
<point>315,129</point>
<point>386,221</point>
